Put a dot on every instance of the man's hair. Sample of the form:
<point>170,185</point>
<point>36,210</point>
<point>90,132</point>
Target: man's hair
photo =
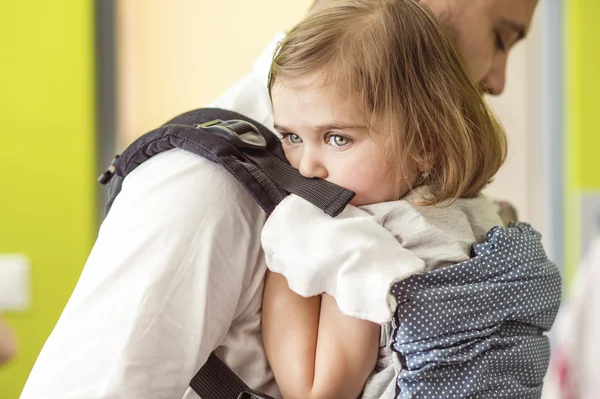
<point>396,57</point>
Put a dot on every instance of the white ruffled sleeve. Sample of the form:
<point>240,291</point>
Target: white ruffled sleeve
<point>351,257</point>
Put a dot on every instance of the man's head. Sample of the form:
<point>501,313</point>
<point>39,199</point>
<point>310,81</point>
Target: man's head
<point>484,32</point>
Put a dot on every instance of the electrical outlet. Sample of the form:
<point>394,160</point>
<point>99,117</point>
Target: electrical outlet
<point>15,290</point>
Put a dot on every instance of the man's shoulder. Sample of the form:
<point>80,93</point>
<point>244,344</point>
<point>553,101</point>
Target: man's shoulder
<point>178,178</point>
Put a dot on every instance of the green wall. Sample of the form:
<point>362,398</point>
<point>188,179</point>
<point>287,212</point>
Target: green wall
<point>582,115</point>
<point>47,158</point>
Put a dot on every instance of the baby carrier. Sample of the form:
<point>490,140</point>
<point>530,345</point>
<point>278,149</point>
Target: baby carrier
<point>475,329</point>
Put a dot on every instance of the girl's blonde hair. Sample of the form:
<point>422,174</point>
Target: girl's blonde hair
<point>395,55</point>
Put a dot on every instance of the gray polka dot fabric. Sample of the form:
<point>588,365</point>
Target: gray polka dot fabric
<point>476,329</point>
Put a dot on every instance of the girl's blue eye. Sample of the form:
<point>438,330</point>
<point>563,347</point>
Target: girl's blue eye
<point>292,138</point>
<point>337,140</point>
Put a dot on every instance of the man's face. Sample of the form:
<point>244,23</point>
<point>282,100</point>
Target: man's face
<point>484,32</point>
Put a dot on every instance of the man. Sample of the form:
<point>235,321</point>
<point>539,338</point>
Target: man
<point>177,269</point>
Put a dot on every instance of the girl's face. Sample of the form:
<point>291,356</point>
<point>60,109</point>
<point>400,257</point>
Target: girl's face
<point>324,135</point>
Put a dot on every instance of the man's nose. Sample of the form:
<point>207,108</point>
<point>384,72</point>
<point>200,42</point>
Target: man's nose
<point>493,83</point>
<point>311,166</point>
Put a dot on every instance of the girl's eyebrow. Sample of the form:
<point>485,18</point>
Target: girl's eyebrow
<point>339,126</point>
<point>281,128</point>
<point>329,126</point>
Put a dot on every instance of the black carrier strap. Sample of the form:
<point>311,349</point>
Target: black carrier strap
<point>251,153</point>
<point>216,381</point>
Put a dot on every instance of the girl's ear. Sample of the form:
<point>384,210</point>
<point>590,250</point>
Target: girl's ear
<point>424,165</point>
<point>425,162</point>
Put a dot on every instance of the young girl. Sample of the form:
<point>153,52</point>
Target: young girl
<point>372,96</point>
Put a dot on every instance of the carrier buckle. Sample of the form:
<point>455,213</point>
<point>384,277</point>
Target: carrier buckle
<point>240,133</point>
<point>109,172</point>
<point>252,394</point>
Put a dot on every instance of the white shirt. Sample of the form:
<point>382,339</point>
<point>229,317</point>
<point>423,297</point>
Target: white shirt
<point>176,272</point>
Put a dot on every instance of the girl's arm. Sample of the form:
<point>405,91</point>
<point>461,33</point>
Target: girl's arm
<point>315,350</point>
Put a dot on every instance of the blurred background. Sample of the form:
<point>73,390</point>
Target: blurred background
<point>79,80</point>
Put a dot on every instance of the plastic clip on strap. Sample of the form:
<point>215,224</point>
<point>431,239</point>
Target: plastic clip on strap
<point>108,174</point>
<point>240,133</point>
